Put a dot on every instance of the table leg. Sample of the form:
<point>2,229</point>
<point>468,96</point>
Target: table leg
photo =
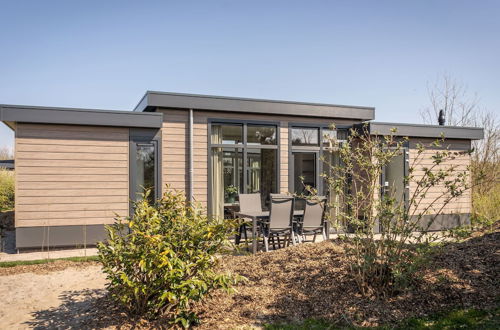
<point>254,235</point>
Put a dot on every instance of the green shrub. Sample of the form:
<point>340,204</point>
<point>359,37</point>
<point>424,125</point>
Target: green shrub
<point>164,259</point>
<point>6,190</point>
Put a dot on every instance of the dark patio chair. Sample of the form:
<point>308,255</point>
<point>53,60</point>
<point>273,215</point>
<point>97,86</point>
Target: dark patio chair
<point>248,203</point>
<point>313,221</point>
<point>280,221</point>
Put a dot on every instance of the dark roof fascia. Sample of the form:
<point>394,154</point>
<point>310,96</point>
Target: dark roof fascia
<point>425,131</point>
<point>76,116</point>
<point>152,100</point>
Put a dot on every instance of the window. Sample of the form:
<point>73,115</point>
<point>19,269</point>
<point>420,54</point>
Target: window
<point>227,134</point>
<point>261,134</point>
<point>261,169</point>
<point>143,166</point>
<point>233,173</point>
<point>243,159</point>
<point>305,136</point>
<point>328,136</point>
<point>310,158</point>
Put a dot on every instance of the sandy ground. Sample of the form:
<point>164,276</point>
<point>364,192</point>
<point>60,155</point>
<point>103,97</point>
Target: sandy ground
<point>39,300</point>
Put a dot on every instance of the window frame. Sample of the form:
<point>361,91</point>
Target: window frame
<point>144,136</point>
<point>244,148</point>
<point>317,149</point>
<point>319,129</point>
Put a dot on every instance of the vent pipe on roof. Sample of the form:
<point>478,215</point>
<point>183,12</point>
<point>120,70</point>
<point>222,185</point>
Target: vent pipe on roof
<point>441,119</point>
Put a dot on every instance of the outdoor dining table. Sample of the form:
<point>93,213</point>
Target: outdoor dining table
<point>256,216</point>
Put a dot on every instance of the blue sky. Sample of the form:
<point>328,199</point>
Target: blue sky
<point>106,54</point>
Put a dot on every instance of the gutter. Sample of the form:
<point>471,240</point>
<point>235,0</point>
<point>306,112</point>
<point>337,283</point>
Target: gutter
<point>191,158</point>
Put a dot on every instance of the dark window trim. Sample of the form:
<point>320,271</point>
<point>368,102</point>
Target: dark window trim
<point>144,136</point>
<point>318,149</point>
<point>244,146</point>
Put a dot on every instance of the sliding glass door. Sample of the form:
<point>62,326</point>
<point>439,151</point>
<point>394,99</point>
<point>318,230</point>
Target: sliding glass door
<point>261,173</point>
<point>243,159</point>
<point>305,171</point>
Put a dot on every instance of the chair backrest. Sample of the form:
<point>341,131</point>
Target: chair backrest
<point>314,212</point>
<point>250,202</point>
<point>281,212</point>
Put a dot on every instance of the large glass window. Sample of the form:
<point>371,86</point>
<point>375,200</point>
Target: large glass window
<point>227,134</point>
<point>249,166</point>
<point>261,134</point>
<point>145,169</point>
<point>305,136</point>
<point>307,151</point>
<point>261,173</point>
<point>233,174</point>
<point>329,135</point>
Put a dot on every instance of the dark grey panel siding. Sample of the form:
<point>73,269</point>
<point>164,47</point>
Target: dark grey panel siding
<point>59,236</point>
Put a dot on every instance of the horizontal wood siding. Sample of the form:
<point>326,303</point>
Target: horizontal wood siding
<point>174,150</point>
<point>70,175</point>
<point>434,199</point>
<point>175,153</point>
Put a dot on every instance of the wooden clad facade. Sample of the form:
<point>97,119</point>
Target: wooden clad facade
<point>71,175</point>
<point>78,168</point>
<point>459,205</point>
<point>175,141</point>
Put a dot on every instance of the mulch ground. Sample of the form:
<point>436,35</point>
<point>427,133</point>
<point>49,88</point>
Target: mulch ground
<point>312,281</point>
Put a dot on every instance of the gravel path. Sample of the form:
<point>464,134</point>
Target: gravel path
<point>40,300</point>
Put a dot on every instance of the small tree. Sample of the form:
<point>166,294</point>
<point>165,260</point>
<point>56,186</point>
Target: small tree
<point>461,108</point>
<point>386,262</point>
<point>164,258</point>
<point>6,153</point>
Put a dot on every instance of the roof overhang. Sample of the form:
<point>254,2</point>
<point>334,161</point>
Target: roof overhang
<point>424,131</point>
<point>10,114</point>
<point>153,100</point>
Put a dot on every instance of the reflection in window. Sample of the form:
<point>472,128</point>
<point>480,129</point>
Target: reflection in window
<point>227,134</point>
<point>145,167</point>
<point>342,134</point>
<point>329,137</point>
<point>303,136</point>
<point>304,165</point>
<point>261,172</point>
<point>233,174</point>
<point>231,166</point>
<point>261,134</point>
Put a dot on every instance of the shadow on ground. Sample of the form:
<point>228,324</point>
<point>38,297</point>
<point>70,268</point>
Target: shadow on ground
<point>79,309</point>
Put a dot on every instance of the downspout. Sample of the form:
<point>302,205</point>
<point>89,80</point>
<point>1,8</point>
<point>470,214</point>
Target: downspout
<point>191,158</point>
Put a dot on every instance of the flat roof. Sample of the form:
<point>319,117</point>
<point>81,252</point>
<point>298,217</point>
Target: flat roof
<point>77,116</point>
<point>422,130</point>
<point>153,99</point>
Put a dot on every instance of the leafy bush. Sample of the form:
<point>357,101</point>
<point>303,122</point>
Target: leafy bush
<point>6,190</point>
<point>388,262</point>
<point>164,258</point>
